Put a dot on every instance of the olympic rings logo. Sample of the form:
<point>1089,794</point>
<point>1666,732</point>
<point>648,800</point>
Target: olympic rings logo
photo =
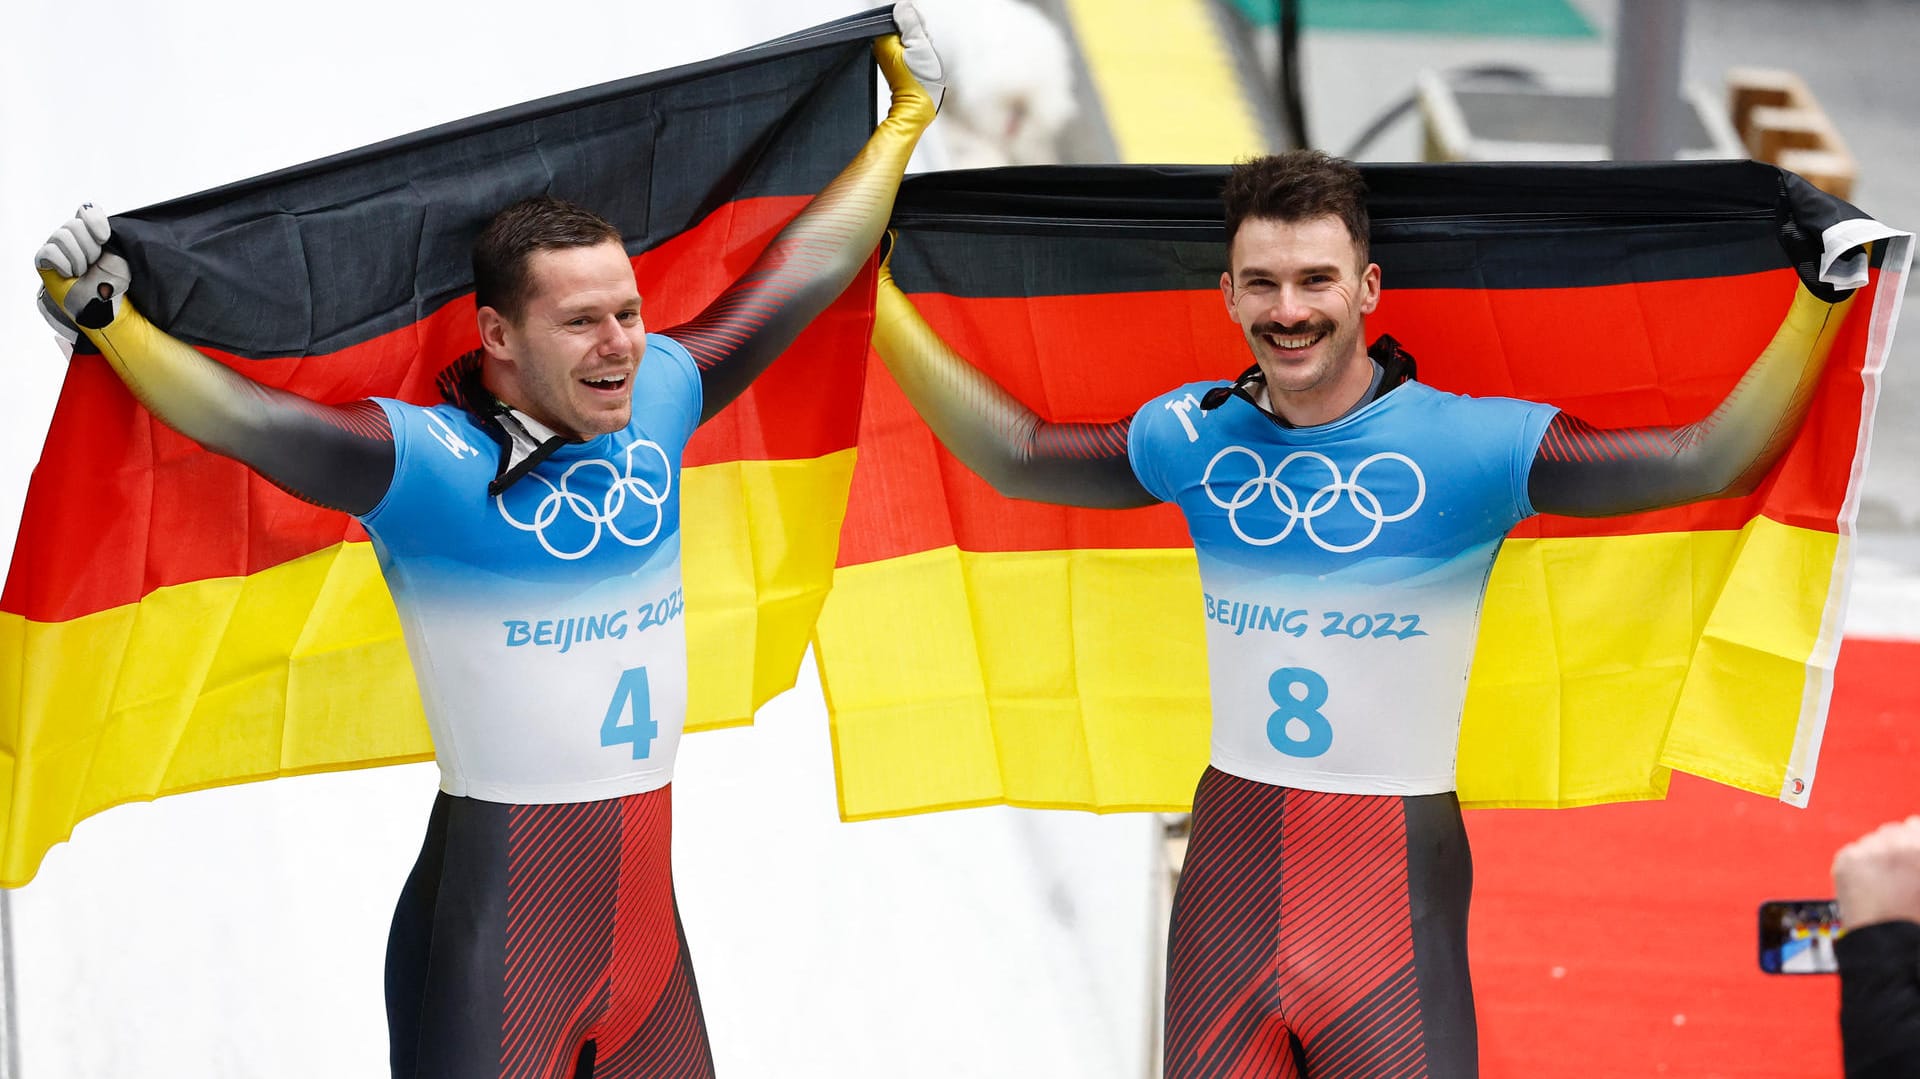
<point>1318,504</point>
<point>604,514</point>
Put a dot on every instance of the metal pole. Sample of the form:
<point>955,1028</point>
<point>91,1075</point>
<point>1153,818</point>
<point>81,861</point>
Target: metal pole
<point>1646,79</point>
<point>9,995</point>
<point>1293,110</point>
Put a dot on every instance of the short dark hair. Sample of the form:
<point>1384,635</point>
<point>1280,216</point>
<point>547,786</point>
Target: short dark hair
<point>501,279</point>
<point>1298,185</point>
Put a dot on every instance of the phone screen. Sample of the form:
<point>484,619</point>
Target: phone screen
<point>1797,935</point>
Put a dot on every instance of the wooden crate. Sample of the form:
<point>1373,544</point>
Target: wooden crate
<point>1780,122</point>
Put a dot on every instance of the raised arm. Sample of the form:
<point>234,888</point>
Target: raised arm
<point>992,433</point>
<point>811,262</point>
<point>1584,471</point>
<point>337,456</point>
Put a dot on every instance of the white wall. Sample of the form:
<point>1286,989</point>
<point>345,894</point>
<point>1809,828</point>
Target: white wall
<point>239,932</point>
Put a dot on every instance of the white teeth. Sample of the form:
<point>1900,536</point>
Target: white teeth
<point>1292,342</point>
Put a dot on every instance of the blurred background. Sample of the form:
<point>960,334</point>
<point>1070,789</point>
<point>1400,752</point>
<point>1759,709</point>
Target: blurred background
<point>240,932</point>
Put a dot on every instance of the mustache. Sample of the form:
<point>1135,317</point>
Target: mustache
<point>1280,329</point>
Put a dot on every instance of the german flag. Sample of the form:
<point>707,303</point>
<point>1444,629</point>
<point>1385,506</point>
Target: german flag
<point>172,621</point>
<point>981,650</point>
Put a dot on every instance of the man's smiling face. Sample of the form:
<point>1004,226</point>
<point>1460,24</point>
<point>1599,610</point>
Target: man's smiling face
<point>568,360</point>
<point>1300,295</point>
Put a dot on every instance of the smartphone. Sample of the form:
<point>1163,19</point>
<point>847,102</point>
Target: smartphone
<point>1797,935</point>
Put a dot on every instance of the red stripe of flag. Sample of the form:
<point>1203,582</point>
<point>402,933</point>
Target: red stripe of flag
<point>1096,358</point>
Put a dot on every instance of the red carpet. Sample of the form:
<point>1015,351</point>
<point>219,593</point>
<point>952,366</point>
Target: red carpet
<point>1620,940</point>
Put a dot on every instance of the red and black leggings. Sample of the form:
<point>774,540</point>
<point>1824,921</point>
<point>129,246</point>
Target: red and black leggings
<point>1321,936</point>
<point>542,942</point>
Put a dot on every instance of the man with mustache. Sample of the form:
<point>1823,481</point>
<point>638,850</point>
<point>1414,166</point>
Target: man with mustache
<point>528,529</point>
<point>1320,924</point>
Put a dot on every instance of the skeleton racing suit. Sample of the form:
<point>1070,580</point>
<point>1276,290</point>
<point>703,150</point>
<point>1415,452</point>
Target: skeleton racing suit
<point>1320,923</point>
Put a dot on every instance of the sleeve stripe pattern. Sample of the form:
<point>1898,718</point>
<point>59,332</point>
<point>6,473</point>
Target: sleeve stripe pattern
<point>364,418</point>
<point>1571,439</point>
<point>1081,441</point>
<point>795,260</point>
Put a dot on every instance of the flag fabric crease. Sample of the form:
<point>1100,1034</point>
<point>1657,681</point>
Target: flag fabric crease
<point>979,650</point>
<point>172,621</point>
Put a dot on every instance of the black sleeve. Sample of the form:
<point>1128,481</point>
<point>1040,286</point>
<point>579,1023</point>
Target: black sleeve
<point>1880,1000</point>
<point>337,456</point>
<point>813,260</point>
<point>1585,471</point>
<point>1002,440</point>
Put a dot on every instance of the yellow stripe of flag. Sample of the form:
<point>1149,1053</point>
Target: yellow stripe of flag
<point>1083,684</point>
<point>193,685</point>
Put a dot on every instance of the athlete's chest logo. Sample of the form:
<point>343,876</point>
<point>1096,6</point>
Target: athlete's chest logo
<point>1339,512</point>
<point>626,500</point>
<point>449,438</point>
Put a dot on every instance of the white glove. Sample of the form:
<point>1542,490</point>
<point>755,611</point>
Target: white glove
<point>76,250</point>
<point>918,46</point>
<point>75,245</point>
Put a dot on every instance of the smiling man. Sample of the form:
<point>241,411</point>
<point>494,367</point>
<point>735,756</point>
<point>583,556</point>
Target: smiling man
<point>528,529</point>
<point>559,317</point>
<point>1320,926</point>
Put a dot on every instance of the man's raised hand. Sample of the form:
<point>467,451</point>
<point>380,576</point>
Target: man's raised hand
<point>921,59</point>
<point>82,282</point>
<point>75,245</point>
